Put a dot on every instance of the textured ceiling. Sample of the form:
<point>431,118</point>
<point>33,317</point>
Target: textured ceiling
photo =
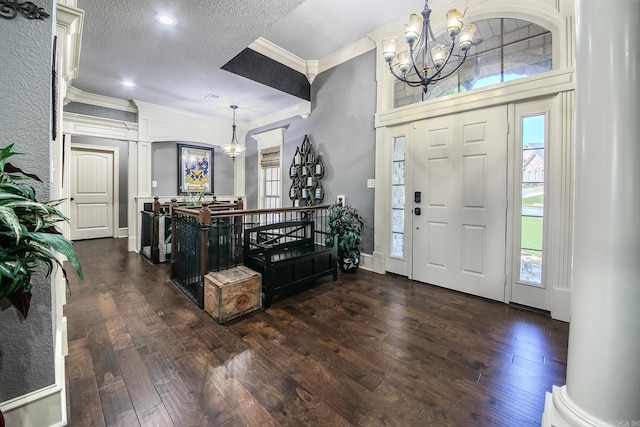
<point>178,66</point>
<point>320,27</point>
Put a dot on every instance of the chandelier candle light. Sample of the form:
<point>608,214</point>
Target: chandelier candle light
<point>233,149</point>
<point>426,62</point>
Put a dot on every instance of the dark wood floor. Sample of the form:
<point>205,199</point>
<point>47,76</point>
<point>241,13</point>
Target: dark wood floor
<point>366,350</point>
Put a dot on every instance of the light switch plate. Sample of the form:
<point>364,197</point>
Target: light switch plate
<point>371,183</point>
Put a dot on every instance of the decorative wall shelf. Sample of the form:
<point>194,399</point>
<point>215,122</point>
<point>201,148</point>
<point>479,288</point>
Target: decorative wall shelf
<point>306,172</point>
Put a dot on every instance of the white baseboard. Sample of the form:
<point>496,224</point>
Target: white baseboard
<point>132,244</point>
<point>378,262</point>
<point>123,232</point>
<point>366,262</point>
<point>561,411</point>
<point>371,263</point>
<point>44,407</point>
<point>561,304</point>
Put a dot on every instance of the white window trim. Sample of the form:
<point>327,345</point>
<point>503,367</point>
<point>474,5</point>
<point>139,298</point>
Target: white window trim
<point>272,138</point>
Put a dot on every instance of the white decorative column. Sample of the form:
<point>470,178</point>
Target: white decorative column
<point>603,367</point>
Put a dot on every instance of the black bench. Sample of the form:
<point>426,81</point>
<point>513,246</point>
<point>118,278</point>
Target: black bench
<point>288,257</point>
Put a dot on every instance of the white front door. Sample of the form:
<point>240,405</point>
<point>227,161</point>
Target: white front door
<point>459,222</point>
<point>91,193</point>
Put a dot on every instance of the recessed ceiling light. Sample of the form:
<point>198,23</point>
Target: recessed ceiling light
<point>166,19</point>
<point>128,83</point>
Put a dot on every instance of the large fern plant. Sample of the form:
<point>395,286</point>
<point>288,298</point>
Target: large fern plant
<point>28,236</point>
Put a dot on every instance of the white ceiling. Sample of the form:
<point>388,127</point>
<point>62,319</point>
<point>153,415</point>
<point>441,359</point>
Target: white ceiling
<point>178,66</point>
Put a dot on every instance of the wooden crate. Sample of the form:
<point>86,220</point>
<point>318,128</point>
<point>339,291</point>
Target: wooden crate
<point>231,293</point>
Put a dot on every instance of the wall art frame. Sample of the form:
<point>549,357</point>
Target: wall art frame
<point>195,169</point>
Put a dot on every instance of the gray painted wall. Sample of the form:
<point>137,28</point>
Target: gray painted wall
<point>164,159</point>
<point>123,170</point>
<point>341,129</point>
<point>26,347</point>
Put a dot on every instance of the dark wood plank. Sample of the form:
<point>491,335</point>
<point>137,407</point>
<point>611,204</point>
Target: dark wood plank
<point>156,417</point>
<point>180,405</point>
<point>84,399</point>
<point>141,389</point>
<point>247,411</point>
<point>374,350</point>
<point>117,407</point>
<point>156,364</point>
<point>106,366</point>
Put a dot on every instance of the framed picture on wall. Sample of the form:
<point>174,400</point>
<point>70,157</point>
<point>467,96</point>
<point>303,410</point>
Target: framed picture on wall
<point>195,169</point>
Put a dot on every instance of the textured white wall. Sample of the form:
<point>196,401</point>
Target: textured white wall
<point>26,347</point>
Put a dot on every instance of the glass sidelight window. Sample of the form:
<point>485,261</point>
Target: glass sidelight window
<point>532,200</point>
<point>397,197</point>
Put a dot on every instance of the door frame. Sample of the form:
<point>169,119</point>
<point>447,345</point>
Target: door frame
<point>542,295</point>
<point>269,139</point>
<point>559,85</point>
<point>501,127</point>
<point>115,202</point>
<point>395,265</point>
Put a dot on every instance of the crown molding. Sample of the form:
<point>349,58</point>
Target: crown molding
<point>302,109</point>
<point>157,108</point>
<point>270,138</point>
<point>69,21</point>
<point>79,124</point>
<point>345,54</point>
<point>77,95</point>
<point>279,54</point>
<point>312,67</point>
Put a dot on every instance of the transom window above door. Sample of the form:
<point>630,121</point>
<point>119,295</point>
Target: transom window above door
<point>504,49</point>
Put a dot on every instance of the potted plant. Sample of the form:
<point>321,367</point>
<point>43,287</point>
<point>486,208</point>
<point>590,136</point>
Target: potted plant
<point>28,237</point>
<point>346,225</point>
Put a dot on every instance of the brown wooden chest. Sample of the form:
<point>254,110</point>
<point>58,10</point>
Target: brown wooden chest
<point>231,293</point>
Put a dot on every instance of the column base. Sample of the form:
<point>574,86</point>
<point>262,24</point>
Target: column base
<point>561,411</point>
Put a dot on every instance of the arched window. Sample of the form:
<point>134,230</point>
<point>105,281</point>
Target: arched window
<point>504,49</point>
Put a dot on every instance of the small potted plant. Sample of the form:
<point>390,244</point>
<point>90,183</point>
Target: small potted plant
<point>28,237</point>
<point>346,225</point>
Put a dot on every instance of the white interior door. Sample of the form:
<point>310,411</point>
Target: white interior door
<point>459,224</point>
<point>92,195</point>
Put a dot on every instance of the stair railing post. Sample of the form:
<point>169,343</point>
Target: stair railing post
<point>155,232</point>
<point>238,240</point>
<point>204,218</point>
<point>174,237</point>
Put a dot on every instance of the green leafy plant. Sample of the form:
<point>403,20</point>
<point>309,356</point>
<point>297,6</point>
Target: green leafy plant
<point>196,198</point>
<point>28,236</point>
<point>346,224</point>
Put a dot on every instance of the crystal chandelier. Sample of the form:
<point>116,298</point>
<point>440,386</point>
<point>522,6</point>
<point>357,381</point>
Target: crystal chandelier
<point>233,149</point>
<point>427,62</point>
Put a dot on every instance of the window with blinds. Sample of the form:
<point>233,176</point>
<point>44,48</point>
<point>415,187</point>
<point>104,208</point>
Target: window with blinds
<point>270,157</point>
<point>270,165</point>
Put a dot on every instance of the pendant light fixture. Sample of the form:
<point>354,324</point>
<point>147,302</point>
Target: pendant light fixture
<point>427,61</point>
<point>233,149</point>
